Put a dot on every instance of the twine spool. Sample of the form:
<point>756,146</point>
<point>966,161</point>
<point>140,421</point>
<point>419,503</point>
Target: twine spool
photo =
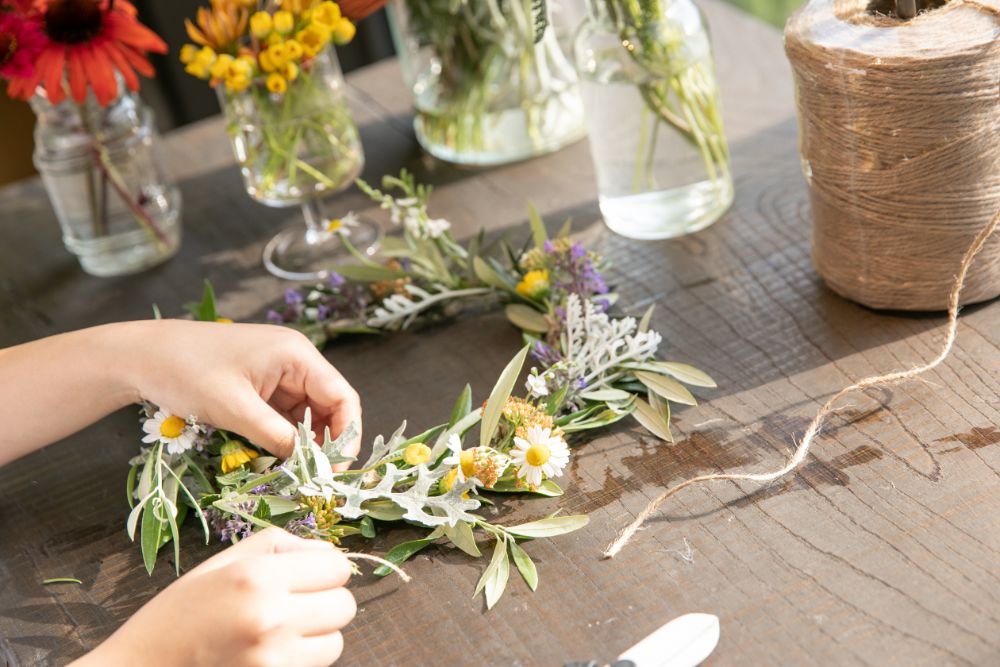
<point>900,140</point>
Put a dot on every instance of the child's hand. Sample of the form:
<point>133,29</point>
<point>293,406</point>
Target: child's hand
<point>272,600</point>
<point>256,380</point>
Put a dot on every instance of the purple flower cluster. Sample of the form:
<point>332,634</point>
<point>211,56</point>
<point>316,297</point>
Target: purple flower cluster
<point>303,527</point>
<point>334,300</point>
<point>545,354</point>
<point>574,272</point>
<point>227,526</point>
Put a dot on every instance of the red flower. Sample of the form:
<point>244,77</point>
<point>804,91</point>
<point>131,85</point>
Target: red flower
<point>87,41</point>
<point>20,43</point>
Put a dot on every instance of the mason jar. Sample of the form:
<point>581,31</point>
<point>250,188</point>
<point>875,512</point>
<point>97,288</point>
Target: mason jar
<point>118,209</point>
<point>653,117</point>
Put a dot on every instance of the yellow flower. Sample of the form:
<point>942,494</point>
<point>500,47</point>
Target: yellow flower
<point>297,6</point>
<point>326,14</point>
<point>265,62</point>
<point>240,73</point>
<point>172,426</point>
<point>293,50</point>
<point>313,39</point>
<point>261,24</point>
<point>290,71</point>
<point>188,53</point>
<point>343,32</point>
<point>447,483</point>
<point>277,54</point>
<point>284,21</point>
<point>276,83</point>
<point>219,27</point>
<point>223,320</point>
<point>522,415</point>
<point>417,453</point>
<point>235,455</point>
<point>535,284</point>
<point>220,67</point>
<point>201,65</point>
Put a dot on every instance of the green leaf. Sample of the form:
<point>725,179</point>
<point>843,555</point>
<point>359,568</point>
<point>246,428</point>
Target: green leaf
<point>553,525</point>
<point>385,510</point>
<point>368,274</point>
<point>498,581</point>
<point>526,318</point>
<point>463,406</point>
<point>151,533</point>
<point>157,315</point>
<point>567,227</point>
<point>461,536</point>
<point>499,395</point>
<point>647,316</point>
<point>668,388</point>
<point>488,274</point>
<point>555,402</point>
<point>686,374</point>
<point>538,232</point>
<point>367,527</point>
<point>548,488</point>
<point>263,510</point>
<point>280,505</point>
<point>524,565</point>
<point>130,485</point>
<point>605,395</point>
<point>402,553</point>
<point>204,311</point>
<point>652,420</point>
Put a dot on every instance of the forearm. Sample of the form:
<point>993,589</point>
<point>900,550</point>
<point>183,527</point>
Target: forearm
<point>56,386</point>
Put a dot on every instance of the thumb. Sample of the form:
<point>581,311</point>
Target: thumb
<point>263,426</point>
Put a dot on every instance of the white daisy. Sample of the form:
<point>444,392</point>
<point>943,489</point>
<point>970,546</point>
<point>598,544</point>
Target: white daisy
<point>342,225</point>
<point>454,458</point>
<point>176,433</point>
<point>536,384</point>
<point>540,455</point>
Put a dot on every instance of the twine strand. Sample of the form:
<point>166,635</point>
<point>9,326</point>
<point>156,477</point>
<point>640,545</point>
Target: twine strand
<point>811,433</point>
<point>353,555</point>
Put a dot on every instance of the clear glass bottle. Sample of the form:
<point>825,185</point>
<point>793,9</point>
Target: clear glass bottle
<point>653,117</point>
<point>487,88</point>
<point>293,149</point>
<point>118,209</point>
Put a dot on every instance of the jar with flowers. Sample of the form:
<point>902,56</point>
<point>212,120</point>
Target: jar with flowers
<point>96,148</point>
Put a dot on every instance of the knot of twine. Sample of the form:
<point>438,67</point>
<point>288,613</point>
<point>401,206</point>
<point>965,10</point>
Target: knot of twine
<point>802,450</point>
<point>900,141</point>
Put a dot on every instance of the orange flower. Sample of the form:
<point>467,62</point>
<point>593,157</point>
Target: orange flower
<point>87,41</point>
<point>219,27</point>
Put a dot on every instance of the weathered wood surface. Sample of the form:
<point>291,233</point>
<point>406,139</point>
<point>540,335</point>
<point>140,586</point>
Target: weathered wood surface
<point>884,549</point>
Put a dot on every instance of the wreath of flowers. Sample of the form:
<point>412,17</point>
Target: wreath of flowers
<point>589,369</point>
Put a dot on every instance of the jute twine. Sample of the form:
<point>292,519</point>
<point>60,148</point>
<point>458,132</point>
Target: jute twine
<point>900,140</point>
<point>802,450</point>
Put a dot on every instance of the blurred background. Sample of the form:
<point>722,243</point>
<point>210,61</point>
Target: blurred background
<point>179,99</point>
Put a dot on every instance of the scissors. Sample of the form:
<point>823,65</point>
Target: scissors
<point>683,642</point>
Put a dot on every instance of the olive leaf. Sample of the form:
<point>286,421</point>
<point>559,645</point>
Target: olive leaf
<point>668,388</point>
<point>524,565</point>
<point>652,420</point>
<point>549,527</point>
<point>463,406</point>
<point>538,233</point>
<point>499,395</point>
<point>461,536</point>
<point>526,318</point>
<point>686,374</point>
<point>494,579</point>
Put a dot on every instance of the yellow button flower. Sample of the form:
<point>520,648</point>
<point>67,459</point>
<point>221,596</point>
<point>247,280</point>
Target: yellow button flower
<point>284,21</point>
<point>188,53</point>
<point>343,32</point>
<point>220,67</point>
<point>326,14</point>
<point>201,64</point>
<point>313,39</point>
<point>278,55</point>
<point>290,71</point>
<point>223,320</point>
<point>293,50</point>
<point>276,83</point>
<point>261,24</point>
<point>534,284</point>
<point>417,453</point>
<point>235,455</point>
<point>265,62</point>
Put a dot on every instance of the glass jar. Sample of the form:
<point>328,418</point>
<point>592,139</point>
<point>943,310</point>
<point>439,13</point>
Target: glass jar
<point>299,144</point>
<point>490,83</point>
<point>119,211</point>
<point>653,117</point>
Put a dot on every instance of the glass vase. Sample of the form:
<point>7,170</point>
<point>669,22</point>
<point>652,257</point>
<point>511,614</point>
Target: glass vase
<point>118,210</point>
<point>653,117</point>
<point>294,148</point>
<point>490,84</point>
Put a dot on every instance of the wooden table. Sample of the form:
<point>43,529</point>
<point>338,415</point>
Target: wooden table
<point>883,549</point>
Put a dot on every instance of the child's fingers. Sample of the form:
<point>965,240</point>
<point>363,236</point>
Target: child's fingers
<point>309,570</point>
<point>322,613</point>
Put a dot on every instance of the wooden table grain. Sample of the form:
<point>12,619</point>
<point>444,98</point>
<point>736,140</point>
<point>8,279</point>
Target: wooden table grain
<point>884,549</point>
